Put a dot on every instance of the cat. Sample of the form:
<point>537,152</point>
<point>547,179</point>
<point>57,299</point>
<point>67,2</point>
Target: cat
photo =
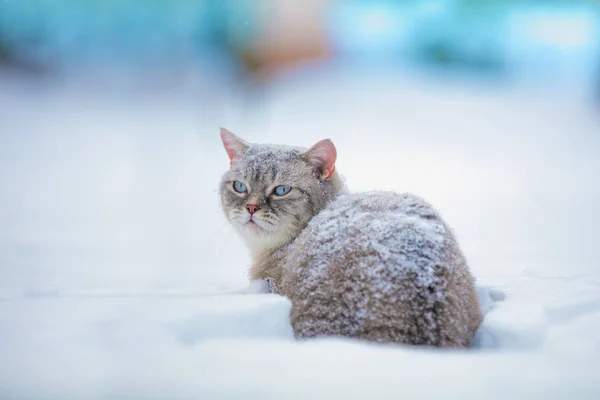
<point>378,266</point>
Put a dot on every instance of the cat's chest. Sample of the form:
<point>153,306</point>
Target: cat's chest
<point>269,267</point>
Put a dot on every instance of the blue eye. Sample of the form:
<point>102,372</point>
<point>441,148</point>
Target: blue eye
<point>239,187</point>
<point>282,190</point>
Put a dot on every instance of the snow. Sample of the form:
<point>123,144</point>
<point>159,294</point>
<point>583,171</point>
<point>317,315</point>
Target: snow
<point>119,276</point>
<point>352,370</point>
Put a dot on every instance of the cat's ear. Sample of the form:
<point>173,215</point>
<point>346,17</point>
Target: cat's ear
<point>322,157</point>
<point>234,146</point>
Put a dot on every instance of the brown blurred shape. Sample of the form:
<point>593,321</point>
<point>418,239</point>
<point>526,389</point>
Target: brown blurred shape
<point>293,33</point>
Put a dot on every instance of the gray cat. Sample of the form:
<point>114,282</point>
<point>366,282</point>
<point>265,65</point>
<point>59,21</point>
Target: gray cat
<point>379,266</point>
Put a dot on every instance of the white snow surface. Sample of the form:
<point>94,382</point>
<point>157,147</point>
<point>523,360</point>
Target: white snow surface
<point>120,278</point>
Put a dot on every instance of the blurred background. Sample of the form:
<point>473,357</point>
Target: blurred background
<point>109,115</point>
<point>553,41</point>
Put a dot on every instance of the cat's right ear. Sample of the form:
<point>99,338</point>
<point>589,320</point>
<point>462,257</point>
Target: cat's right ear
<point>234,146</point>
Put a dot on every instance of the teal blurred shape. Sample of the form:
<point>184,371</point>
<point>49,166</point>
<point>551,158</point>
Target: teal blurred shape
<point>151,30</point>
<point>498,37</point>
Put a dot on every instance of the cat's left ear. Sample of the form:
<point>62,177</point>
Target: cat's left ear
<point>322,157</point>
<point>233,145</point>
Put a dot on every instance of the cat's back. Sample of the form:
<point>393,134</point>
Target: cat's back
<point>390,233</point>
<point>381,266</point>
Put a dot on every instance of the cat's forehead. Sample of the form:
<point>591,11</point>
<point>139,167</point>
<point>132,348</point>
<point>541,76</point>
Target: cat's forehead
<point>267,152</point>
<point>262,159</point>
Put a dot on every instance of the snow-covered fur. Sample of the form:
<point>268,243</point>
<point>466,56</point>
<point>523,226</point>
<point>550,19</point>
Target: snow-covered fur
<point>384,267</point>
<point>378,266</point>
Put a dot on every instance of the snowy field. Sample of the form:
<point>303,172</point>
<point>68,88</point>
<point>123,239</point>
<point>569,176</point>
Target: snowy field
<point>117,266</point>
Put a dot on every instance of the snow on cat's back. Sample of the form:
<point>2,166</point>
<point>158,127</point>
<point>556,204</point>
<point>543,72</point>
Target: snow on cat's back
<point>384,267</point>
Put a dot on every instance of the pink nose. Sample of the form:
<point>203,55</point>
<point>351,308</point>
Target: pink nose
<point>252,208</point>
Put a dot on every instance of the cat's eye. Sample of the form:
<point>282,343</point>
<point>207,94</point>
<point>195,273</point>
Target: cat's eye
<point>282,190</point>
<point>239,187</point>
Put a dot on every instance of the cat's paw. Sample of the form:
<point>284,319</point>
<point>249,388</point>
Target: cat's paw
<point>257,286</point>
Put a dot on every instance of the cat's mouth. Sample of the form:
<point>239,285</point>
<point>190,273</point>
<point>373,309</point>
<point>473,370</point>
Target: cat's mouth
<point>254,226</point>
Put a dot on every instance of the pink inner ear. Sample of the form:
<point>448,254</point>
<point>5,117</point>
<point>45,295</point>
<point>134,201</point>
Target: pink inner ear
<point>323,155</point>
<point>330,175</point>
<point>234,146</point>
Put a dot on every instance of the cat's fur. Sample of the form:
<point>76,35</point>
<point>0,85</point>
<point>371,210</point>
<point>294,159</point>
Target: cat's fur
<point>378,266</point>
<point>381,266</point>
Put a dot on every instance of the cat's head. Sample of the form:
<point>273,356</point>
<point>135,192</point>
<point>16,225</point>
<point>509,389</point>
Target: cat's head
<point>271,192</point>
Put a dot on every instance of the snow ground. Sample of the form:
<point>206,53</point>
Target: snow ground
<point>116,264</point>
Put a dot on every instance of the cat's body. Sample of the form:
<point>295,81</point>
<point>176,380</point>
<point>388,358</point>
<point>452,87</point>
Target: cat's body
<point>378,266</point>
<point>384,267</point>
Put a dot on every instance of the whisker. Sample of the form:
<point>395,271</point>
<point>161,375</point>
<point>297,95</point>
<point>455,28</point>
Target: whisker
<point>297,217</point>
<point>269,220</point>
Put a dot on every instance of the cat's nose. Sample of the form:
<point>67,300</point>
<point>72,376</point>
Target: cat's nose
<point>252,208</point>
